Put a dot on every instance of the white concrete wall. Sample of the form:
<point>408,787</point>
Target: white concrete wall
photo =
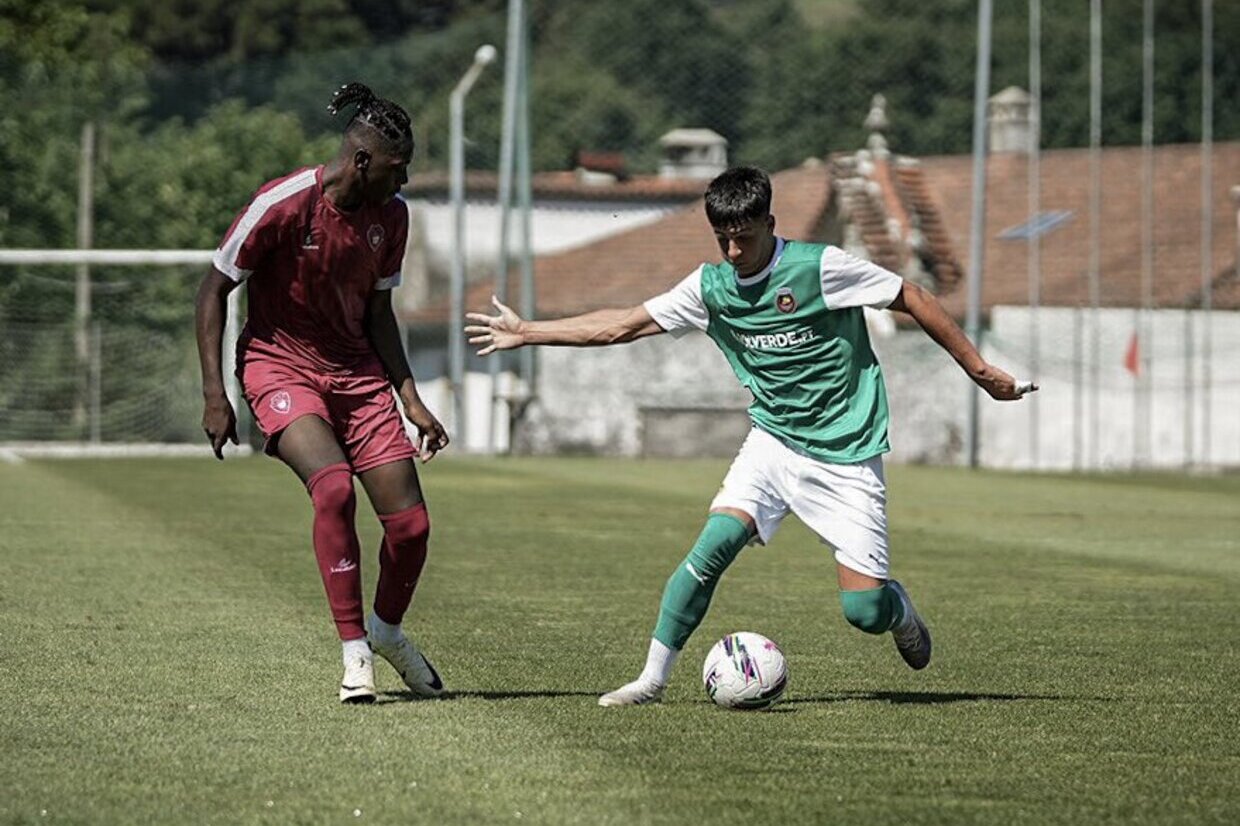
<point>590,400</point>
<point>554,226</point>
<point>1110,427</point>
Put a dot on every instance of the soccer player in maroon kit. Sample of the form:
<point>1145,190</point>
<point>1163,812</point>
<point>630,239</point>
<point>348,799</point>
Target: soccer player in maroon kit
<point>320,251</point>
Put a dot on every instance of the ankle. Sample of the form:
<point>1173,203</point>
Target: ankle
<point>385,631</point>
<point>352,649</point>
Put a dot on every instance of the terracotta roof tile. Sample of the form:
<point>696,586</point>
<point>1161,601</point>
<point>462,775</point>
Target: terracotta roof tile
<point>625,269</point>
<point>1065,250</point>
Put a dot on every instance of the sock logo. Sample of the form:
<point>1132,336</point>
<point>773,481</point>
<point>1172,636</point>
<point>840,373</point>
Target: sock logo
<point>343,566</point>
<point>693,573</point>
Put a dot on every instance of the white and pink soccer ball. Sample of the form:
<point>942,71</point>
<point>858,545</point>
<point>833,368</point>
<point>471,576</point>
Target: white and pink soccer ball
<point>745,671</point>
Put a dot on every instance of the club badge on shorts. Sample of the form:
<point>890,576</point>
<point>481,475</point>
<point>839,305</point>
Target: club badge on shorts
<point>374,236</point>
<point>282,402</point>
<point>785,301</point>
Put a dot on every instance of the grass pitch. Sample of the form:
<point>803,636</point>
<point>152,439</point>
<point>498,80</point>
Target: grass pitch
<point>168,656</point>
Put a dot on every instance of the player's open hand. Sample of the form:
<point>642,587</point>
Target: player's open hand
<point>495,332</point>
<point>219,422</point>
<point>1000,385</point>
<point>432,438</point>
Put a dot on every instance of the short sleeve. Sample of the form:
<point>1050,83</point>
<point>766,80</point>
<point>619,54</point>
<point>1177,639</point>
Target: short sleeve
<point>253,234</point>
<point>394,249</point>
<point>681,308</point>
<point>848,281</point>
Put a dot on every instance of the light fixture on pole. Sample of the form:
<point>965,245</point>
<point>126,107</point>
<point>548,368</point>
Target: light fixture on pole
<point>456,150</point>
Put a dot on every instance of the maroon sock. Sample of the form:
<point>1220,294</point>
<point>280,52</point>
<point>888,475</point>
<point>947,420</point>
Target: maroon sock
<point>401,558</point>
<point>336,547</point>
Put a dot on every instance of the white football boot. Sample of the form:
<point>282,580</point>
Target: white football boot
<point>358,683</point>
<point>911,635</point>
<point>637,693</point>
<point>417,672</point>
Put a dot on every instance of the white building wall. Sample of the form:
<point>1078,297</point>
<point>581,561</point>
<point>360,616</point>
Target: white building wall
<point>1168,433</point>
<point>554,226</point>
<point>591,400</point>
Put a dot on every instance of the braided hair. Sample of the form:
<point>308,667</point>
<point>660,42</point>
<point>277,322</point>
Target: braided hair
<point>383,116</point>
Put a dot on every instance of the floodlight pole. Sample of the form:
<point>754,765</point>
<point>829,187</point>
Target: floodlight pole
<point>456,151</point>
<point>503,189</point>
<point>1095,229</point>
<point>977,224</point>
<point>82,297</point>
<point>1207,220</point>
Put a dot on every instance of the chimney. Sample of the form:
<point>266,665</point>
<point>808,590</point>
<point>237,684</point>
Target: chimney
<point>693,153</point>
<point>1010,128</point>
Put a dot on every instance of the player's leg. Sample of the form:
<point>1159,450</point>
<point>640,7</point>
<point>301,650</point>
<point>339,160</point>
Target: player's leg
<point>309,447</point>
<point>747,507</point>
<point>374,438</point>
<point>289,408</point>
<point>686,597</point>
<point>846,505</point>
<point>396,494</point>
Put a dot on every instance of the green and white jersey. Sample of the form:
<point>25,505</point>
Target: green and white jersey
<point>795,336</point>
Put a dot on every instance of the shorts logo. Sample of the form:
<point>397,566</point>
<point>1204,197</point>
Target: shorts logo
<point>375,235</point>
<point>282,402</point>
<point>785,301</point>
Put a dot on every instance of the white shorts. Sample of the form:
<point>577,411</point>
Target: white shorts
<point>845,505</point>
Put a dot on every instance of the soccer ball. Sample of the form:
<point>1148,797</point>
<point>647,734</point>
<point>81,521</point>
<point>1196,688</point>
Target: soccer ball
<point>745,671</point>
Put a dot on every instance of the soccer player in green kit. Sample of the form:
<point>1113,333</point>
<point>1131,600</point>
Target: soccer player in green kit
<point>789,318</point>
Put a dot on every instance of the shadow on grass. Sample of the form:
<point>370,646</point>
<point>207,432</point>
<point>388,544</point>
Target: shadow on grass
<point>410,697</point>
<point>927,698</point>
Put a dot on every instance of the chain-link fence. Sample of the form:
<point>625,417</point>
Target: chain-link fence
<point>631,108</point>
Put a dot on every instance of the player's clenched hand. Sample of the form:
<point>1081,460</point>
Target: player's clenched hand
<point>432,438</point>
<point>495,332</point>
<point>219,422</point>
<point>1000,385</point>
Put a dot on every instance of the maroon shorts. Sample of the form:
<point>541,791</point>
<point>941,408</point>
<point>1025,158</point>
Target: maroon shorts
<point>359,407</point>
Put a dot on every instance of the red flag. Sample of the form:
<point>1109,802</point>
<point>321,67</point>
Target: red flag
<point>1132,359</point>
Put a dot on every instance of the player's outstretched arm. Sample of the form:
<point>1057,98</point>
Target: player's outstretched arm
<point>219,421</point>
<point>506,330</point>
<point>384,335</point>
<point>927,312</point>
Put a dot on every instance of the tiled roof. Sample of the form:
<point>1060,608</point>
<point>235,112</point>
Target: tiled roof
<point>915,194</point>
<point>625,269</point>
<point>565,185</point>
<point>1065,250</point>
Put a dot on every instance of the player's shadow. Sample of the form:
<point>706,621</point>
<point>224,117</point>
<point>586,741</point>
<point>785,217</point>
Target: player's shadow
<point>925,698</point>
<point>410,697</point>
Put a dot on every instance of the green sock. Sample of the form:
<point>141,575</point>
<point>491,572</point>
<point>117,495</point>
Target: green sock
<point>873,610</point>
<point>689,589</point>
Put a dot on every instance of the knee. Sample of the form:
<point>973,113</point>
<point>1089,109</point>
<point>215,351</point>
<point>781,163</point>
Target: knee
<point>331,490</point>
<point>870,610</point>
<point>410,526</point>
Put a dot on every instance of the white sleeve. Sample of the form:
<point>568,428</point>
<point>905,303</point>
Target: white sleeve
<point>681,308</point>
<point>848,281</point>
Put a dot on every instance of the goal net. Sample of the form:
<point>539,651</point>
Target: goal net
<point>97,348</point>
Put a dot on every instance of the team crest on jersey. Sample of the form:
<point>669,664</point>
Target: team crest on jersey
<point>282,402</point>
<point>374,236</point>
<point>785,301</point>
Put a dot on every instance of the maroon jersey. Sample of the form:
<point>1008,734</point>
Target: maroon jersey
<point>310,270</point>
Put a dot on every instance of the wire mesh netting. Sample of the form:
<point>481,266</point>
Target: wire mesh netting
<point>192,107</point>
<point>129,373</point>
